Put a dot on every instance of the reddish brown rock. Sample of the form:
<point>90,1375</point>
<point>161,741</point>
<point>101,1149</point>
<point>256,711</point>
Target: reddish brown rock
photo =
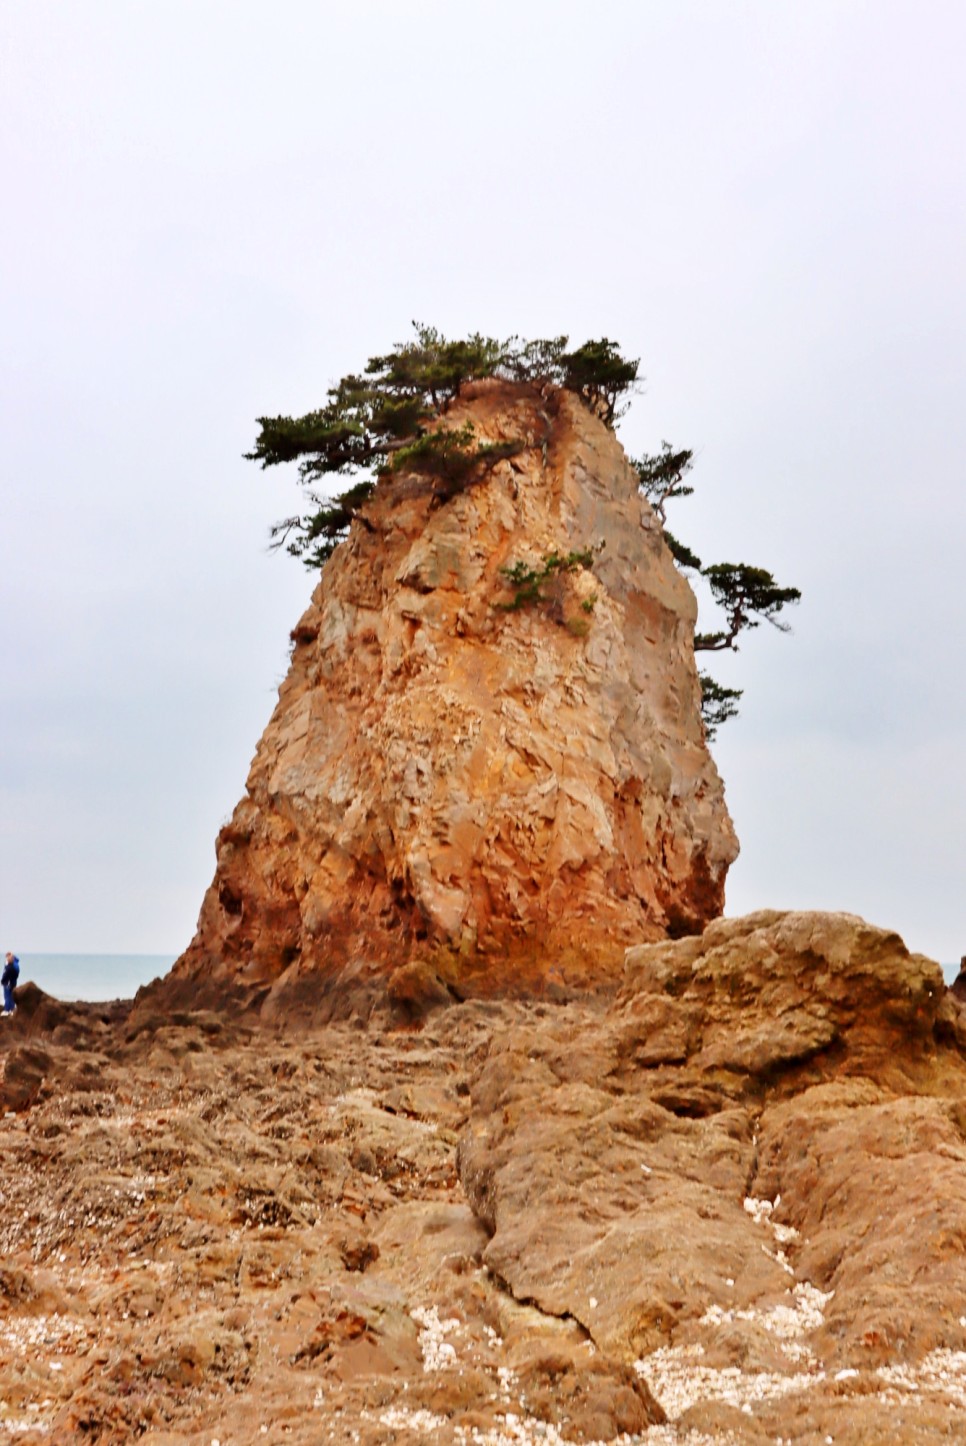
<point>24,1070</point>
<point>493,794</point>
<point>734,1195</point>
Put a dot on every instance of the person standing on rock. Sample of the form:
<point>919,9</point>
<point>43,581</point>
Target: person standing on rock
<point>8,979</point>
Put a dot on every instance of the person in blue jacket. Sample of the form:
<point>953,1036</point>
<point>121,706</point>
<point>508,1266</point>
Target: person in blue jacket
<point>9,979</point>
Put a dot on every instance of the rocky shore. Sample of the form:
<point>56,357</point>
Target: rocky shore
<point>724,1200</point>
<point>464,1119</point>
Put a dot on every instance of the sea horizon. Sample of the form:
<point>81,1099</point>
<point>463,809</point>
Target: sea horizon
<point>93,978</point>
<point>96,978</point>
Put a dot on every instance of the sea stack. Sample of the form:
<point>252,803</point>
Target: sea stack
<point>477,779</point>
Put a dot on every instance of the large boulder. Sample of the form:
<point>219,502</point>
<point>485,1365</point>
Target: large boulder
<point>756,1154</point>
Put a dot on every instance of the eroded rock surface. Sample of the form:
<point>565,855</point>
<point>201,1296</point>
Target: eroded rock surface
<point>726,1205</point>
<point>748,1177</point>
<point>220,1234</point>
<point>466,791</point>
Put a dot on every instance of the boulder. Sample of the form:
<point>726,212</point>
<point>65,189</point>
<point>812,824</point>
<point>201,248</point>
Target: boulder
<point>764,1137</point>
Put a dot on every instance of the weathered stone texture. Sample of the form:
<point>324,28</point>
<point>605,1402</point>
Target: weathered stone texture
<point>732,1195</point>
<point>492,790</point>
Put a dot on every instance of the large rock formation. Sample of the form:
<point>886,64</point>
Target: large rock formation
<point>475,792</point>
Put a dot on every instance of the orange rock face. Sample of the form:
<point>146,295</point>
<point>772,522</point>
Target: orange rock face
<point>456,785</point>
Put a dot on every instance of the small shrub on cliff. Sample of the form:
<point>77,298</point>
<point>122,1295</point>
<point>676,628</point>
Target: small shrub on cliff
<point>451,459</point>
<point>543,586</point>
<point>746,595</point>
<point>599,373</point>
<point>718,703</point>
<point>529,583</point>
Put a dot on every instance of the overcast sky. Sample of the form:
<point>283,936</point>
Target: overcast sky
<point>212,211</point>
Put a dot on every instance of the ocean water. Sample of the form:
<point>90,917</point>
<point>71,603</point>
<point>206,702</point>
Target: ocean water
<point>92,976</point>
<point>120,976</point>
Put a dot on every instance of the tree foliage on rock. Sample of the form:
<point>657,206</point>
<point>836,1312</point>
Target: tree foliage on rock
<point>746,595</point>
<point>390,418</point>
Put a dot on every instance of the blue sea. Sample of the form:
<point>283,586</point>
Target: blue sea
<point>119,976</point>
<point>92,976</point>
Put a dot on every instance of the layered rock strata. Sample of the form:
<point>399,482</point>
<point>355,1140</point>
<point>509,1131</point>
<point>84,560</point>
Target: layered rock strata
<point>460,784</point>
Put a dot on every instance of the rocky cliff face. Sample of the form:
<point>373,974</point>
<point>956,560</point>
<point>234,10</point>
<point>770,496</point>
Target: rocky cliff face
<point>465,792</point>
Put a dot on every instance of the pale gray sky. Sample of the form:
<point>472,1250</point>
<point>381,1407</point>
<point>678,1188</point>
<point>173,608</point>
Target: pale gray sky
<point>214,210</point>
